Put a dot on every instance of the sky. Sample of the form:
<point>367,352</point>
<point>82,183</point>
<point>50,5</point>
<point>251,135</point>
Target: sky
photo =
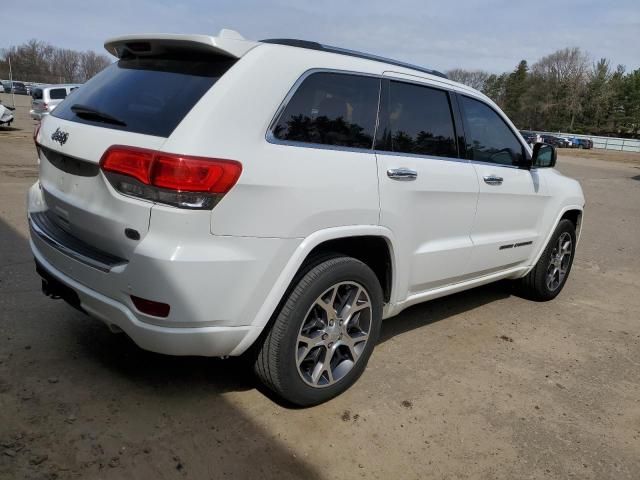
<point>492,35</point>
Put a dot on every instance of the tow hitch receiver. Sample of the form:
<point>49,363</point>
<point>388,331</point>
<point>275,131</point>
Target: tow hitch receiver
<point>55,289</point>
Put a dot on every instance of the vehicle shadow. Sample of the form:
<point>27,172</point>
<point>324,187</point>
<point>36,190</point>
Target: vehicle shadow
<point>427,313</point>
<point>9,129</point>
<point>151,415</point>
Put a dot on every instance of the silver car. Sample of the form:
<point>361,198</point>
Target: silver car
<point>45,98</point>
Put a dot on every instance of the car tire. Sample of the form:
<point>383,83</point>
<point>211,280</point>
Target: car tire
<point>324,332</point>
<point>547,278</point>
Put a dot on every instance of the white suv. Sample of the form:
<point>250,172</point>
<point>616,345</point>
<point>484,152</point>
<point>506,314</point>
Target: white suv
<point>216,196</point>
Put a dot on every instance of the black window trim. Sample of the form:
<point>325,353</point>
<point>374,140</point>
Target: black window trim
<point>525,152</point>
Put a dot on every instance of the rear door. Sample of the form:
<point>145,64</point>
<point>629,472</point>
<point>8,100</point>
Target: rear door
<point>136,102</point>
<point>428,193</point>
<point>511,198</point>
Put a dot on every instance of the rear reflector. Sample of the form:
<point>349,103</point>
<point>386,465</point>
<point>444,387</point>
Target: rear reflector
<point>179,180</point>
<point>156,309</point>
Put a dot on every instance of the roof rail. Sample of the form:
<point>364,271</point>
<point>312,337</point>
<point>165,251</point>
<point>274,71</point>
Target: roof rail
<point>293,42</point>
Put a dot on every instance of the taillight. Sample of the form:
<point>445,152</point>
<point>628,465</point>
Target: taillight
<point>178,180</point>
<point>46,106</point>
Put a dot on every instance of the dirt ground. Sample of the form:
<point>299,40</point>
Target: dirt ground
<point>481,384</point>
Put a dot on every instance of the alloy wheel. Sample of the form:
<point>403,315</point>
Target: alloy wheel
<point>559,262</point>
<point>333,334</point>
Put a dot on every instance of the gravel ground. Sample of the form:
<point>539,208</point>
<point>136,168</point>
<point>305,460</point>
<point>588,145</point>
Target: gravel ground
<point>481,384</point>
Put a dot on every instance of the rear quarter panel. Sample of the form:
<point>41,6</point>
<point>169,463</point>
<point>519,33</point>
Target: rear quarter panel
<point>284,191</point>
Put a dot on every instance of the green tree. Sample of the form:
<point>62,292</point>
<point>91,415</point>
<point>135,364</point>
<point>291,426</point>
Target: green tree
<point>514,90</point>
<point>494,88</point>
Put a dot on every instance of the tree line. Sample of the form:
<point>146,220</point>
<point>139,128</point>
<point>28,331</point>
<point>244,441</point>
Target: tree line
<point>564,91</point>
<point>36,61</point>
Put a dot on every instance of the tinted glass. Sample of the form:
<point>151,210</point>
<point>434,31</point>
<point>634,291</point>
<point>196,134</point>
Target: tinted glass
<point>418,121</point>
<point>57,93</point>
<point>331,109</point>
<point>151,95</point>
<point>37,94</point>
<point>489,139</point>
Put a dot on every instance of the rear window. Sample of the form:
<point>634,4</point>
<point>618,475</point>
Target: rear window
<point>331,109</point>
<point>57,93</point>
<point>149,95</point>
<point>37,94</point>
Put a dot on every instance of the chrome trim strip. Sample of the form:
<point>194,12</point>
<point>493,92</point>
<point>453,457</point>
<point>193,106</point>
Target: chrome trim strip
<point>319,146</point>
<point>425,157</point>
<point>53,242</point>
<point>490,164</point>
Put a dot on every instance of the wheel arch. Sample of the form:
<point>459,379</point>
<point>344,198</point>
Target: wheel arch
<point>570,212</point>
<point>575,216</point>
<point>346,240</point>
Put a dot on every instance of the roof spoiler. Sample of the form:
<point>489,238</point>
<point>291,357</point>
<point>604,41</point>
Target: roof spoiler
<point>228,43</point>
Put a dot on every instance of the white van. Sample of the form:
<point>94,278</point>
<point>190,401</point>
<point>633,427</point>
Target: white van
<point>46,97</point>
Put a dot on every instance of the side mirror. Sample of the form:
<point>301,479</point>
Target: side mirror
<point>544,155</point>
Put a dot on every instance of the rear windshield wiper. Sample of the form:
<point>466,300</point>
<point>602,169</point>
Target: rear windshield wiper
<point>83,111</point>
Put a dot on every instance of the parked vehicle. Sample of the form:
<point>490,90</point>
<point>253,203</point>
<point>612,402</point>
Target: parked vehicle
<point>6,86</point>
<point>583,143</point>
<point>45,98</point>
<point>18,88</point>
<point>531,137</point>
<point>568,142</point>
<point>288,198</point>
<point>6,115</point>
<point>553,140</point>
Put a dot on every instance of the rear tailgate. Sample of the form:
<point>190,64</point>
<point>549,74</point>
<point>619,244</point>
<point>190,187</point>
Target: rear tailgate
<point>138,102</point>
<point>78,197</point>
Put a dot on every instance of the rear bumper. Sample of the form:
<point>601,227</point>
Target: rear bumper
<point>205,341</point>
<point>214,285</point>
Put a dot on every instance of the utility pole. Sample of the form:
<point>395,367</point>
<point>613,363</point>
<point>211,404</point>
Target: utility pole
<point>13,97</point>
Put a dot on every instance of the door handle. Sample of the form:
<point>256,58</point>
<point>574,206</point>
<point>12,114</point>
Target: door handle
<point>402,174</point>
<point>493,180</point>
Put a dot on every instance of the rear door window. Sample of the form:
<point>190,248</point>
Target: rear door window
<point>149,95</point>
<point>489,138</point>
<point>57,93</point>
<point>331,109</point>
<point>418,120</point>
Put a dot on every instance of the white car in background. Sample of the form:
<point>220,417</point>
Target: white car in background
<point>45,98</point>
<point>217,196</point>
